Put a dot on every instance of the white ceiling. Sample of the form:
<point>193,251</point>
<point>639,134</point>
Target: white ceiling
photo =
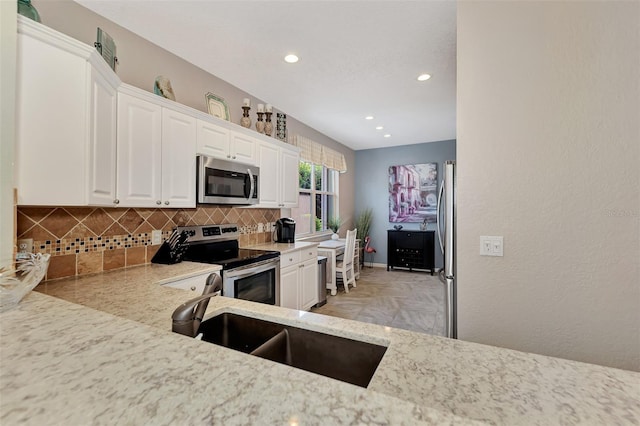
<point>357,58</point>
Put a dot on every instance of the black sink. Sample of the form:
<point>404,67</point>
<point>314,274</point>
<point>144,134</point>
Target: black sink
<point>348,360</point>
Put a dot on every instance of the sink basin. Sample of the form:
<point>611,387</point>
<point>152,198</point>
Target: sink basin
<point>238,332</point>
<point>348,360</point>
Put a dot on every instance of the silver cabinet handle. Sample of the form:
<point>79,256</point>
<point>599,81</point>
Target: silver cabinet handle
<point>158,202</point>
<point>166,203</point>
<point>193,288</point>
<point>116,201</point>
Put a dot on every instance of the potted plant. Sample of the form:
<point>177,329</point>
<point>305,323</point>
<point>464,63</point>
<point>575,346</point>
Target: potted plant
<point>334,224</point>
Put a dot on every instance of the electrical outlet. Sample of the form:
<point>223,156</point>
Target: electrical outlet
<point>260,227</point>
<point>491,246</point>
<point>156,237</point>
<point>25,245</point>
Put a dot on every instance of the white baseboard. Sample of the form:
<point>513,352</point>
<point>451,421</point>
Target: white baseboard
<point>375,265</point>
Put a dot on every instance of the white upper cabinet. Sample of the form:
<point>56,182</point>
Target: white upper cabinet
<point>213,140</point>
<point>268,185</point>
<point>65,120</point>
<point>83,138</point>
<point>102,145</point>
<point>139,152</point>
<point>178,159</point>
<point>278,175</point>
<point>289,171</point>
<point>156,153</point>
<point>221,142</point>
<point>243,148</point>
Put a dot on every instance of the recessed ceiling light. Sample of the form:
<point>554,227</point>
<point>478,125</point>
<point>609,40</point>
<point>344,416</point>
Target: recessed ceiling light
<point>424,77</point>
<point>388,135</point>
<point>379,128</point>
<point>369,117</point>
<point>292,59</point>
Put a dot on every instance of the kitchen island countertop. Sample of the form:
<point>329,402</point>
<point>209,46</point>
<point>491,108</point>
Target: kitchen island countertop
<point>64,363</point>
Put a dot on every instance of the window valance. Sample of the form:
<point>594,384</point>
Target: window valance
<point>316,153</point>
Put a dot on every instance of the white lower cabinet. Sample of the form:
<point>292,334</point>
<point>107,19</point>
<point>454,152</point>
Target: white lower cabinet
<point>298,279</point>
<point>194,284</point>
<point>289,278</point>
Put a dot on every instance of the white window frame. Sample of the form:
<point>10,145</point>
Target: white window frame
<point>314,192</point>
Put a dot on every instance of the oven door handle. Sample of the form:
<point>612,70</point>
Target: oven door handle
<point>253,184</point>
<point>245,272</point>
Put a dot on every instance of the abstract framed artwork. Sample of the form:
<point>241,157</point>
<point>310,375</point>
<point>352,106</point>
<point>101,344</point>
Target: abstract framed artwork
<point>413,193</point>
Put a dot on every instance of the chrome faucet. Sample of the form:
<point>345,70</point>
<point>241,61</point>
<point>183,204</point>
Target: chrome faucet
<point>188,316</point>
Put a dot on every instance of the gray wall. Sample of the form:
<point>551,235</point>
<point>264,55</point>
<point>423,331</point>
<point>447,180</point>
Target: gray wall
<point>141,61</point>
<point>548,155</point>
<point>372,181</point>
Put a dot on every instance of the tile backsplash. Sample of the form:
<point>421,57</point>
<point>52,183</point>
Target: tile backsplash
<point>85,240</point>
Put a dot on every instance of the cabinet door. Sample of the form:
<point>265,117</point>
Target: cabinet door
<point>139,152</point>
<point>289,166</point>
<point>243,148</point>
<point>51,124</point>
<point>178,159</point>
<point>194,285</point>
<point>309,284</point>
<point>268,156</point>
<point>102,143</point>
<point>213,140</point>
<point>289,287</point>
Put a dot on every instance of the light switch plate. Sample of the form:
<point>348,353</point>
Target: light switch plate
<point>491,246</point>
<point>156,237</point>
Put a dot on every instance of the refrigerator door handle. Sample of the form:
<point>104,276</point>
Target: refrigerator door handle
<point>438,214</point>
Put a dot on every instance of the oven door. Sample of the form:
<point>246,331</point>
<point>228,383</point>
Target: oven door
<point>226,182</point>
<point>258,282</point>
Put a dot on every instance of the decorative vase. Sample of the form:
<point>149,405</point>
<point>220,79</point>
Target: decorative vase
<point>245,121</point>
<point>260,123</point>
<point>268,126</point>
<point>335,236</point>
<point>25,8</point>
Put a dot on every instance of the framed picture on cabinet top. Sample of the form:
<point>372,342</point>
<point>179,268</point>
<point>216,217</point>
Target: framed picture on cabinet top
<point>217,106</point>
<point>107,48</point>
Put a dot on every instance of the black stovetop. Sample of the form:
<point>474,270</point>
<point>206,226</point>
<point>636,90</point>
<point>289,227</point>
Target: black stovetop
<point>227,254</point>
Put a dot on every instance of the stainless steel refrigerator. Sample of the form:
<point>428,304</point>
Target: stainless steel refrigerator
<point>446,220</point>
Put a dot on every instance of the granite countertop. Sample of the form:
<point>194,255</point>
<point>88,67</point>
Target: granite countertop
<point>77,365</point>
<point>135,293</point>
<point>285,247</point>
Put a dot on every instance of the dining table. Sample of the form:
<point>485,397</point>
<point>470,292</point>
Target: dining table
<point>332,249</point>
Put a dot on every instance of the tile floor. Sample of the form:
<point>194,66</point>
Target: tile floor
<point>402,299</point>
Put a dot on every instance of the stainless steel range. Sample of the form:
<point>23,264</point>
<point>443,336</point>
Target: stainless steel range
<point>246,273</point>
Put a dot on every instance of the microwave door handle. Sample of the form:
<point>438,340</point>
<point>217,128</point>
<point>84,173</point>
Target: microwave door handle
<point>252,185</point>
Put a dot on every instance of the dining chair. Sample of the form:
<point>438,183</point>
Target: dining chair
<point>345,267</point>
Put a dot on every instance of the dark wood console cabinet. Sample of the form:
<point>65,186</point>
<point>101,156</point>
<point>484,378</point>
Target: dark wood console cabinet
<point>411,249</point>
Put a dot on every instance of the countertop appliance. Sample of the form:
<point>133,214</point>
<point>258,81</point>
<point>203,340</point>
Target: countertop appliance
<point>247,274</point>
<point>446,218</point>
<point>285,230</point>
<point>226,182</point>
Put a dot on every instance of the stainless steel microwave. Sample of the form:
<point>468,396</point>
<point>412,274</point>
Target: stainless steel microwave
<point>226,182</point>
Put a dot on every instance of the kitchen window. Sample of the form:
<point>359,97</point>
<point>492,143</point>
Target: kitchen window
<point>318,198</point>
